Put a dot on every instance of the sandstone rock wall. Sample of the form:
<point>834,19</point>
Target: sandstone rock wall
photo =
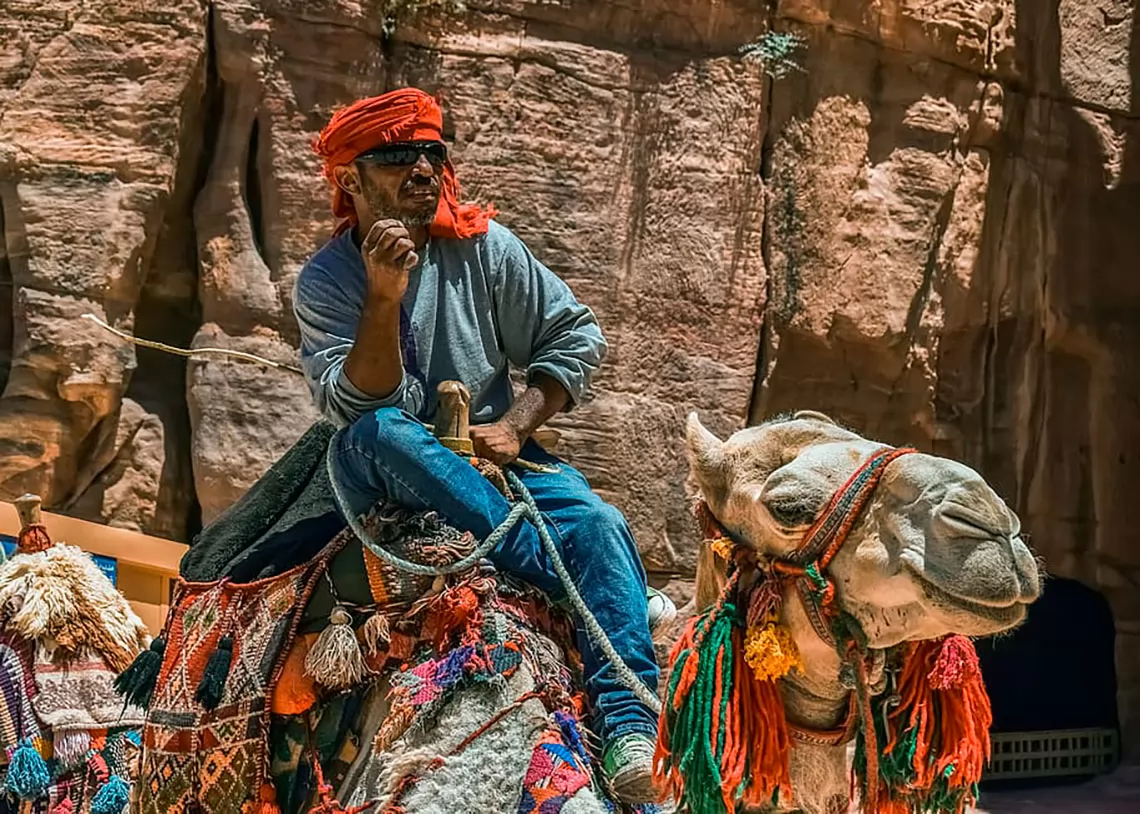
<point>927,231</point>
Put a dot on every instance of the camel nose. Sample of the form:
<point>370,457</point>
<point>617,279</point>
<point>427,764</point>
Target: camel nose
<point>973,509</point>
<point>974,514</point>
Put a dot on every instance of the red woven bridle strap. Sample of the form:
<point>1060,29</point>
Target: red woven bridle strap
<point>827,535</point>
<point>807,565</point>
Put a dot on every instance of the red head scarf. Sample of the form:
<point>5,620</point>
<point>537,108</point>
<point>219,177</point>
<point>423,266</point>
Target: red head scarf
<point>407,114</point>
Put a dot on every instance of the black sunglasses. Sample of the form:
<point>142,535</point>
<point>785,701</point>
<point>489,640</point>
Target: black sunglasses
<point>405,154</point>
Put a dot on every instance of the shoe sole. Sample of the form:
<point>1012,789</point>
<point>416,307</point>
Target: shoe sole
<point>664,621</point>
<point>637,789</point>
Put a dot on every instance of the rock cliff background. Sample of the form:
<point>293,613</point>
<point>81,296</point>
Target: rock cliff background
<point>926,226</point>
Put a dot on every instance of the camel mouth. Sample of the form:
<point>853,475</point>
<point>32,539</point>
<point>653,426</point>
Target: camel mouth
<point>1000,613</point>
<point>1004,615</point>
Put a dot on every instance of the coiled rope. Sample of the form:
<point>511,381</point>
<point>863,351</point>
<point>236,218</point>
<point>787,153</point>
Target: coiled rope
<point>525,507</point>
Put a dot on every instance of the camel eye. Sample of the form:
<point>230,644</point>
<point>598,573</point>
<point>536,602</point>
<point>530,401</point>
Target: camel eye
<point>792,514</point>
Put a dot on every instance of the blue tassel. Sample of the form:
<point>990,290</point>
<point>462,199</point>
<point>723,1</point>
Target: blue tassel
<point>28,775</point>
<point>112,797</point>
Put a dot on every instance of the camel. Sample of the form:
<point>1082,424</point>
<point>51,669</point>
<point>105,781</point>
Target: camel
<point>935,551</point>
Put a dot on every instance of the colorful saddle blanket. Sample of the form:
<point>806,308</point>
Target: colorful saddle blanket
<point>234,639</point>
<point>215,760</point>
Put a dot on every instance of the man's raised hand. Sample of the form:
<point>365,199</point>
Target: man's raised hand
<point>389,254</point>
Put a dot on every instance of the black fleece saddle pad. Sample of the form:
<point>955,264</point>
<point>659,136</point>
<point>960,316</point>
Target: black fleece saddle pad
<point>285,519</point>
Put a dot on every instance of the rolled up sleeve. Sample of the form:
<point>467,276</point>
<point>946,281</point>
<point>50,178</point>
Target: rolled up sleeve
<point>327,318</point>
<point>543,327</point>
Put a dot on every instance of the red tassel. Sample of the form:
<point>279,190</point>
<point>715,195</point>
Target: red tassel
<point>64,806</point>
<point>956,664</point>
<point>944,698</point>
<point>966,715</point>
<point>33,538</point>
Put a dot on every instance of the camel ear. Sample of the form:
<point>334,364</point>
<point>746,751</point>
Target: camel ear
<point>706,460</point>
<point>812,415</point>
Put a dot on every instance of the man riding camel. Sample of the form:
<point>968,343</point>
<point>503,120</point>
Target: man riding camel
<point>415,289</point>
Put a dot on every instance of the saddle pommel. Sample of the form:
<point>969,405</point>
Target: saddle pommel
<point>453,417</point>
<point>28,510</point>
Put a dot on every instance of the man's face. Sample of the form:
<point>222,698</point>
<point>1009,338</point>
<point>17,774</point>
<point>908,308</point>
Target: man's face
<point>402,181</point>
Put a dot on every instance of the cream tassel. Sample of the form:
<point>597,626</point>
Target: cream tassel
<point>335,660</point>
<point>376,634</point>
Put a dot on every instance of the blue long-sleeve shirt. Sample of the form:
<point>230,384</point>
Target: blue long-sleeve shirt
<point>472,307</point>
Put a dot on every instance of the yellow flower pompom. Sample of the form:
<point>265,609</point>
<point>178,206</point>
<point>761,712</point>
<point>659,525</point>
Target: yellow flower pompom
<point>722,547</point>
<point>770,651</point>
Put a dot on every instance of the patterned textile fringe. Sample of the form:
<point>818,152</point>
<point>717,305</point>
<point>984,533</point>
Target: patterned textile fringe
<point>936,740</point>
<point>65,631</point>
<point>71,748</point>
<point>723,737</point>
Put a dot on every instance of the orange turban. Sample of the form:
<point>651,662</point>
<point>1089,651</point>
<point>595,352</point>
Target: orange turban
<point>407,114</point>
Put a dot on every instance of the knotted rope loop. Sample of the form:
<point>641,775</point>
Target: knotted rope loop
<point>524,507</point>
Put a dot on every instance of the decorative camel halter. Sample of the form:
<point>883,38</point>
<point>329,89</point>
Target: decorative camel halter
<point>724,736</point>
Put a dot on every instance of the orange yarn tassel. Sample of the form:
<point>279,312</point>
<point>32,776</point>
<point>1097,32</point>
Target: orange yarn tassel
<point>722,729</point>
<point>765,740</point>
<point>938,739</point>
<point>966,715</point>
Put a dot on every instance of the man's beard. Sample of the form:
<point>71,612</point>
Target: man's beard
<point>384,206</point>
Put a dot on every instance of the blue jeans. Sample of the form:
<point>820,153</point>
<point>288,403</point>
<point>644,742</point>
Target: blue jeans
<point>388,454</point>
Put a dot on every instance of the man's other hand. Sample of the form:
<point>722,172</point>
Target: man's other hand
<point>499,443</point>
<point>389,254</point>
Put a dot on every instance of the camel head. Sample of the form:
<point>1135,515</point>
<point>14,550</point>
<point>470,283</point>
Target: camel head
<point>935,550</point>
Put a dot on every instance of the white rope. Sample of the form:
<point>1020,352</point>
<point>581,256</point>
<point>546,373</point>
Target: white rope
<point>192,353</point>
<point>525,507</point>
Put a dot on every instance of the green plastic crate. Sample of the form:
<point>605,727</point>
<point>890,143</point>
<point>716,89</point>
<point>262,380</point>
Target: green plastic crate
<point>1054,753</point>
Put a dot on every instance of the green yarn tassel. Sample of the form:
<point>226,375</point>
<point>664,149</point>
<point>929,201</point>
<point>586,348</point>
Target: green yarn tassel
<point>213,683</point>
<point>896,770</point>
<point>112,796</point>
<point>691,726</point>
<point>28,776</point>
<point>137,682</point>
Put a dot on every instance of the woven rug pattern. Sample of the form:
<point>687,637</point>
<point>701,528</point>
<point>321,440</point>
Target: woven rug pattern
<point>216,760</point>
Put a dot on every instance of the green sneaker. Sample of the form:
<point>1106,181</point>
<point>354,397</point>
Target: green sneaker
<point>628,766</point>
